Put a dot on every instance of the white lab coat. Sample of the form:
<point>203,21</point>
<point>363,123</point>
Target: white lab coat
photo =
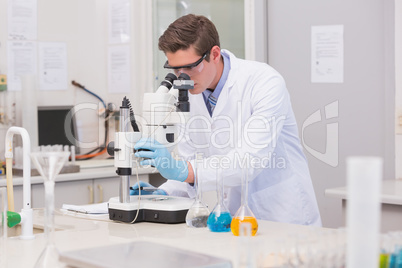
<point>253,117</point>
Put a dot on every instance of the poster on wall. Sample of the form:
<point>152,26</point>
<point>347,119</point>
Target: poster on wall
<point>22,19</point>
<point>119,21</point>
<point>327,54</point>
<point>119,69</point>
<point>21,61</point>
<point>52,66</point>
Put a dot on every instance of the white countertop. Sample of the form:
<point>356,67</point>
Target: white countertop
<point>77,233</point>
<point>85,173</point>
<point>391,192</point>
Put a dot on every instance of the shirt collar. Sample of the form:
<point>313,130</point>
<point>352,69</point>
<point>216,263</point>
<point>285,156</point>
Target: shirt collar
<point>222,80</point>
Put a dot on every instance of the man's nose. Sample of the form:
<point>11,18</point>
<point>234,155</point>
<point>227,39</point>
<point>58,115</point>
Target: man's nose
<point>181,71</point>
<point>178,71</point>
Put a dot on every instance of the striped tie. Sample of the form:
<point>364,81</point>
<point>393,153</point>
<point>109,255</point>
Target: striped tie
<point>212,102</point>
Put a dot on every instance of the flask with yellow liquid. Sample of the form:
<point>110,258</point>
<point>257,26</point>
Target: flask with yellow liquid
<point>244,213</point>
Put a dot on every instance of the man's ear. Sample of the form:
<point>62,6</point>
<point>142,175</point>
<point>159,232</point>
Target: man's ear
<point>215,53</point>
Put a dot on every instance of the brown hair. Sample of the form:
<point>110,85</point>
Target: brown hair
<point>190,30</point>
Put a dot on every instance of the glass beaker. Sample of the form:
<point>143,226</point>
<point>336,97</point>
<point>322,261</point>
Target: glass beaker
<point>219,220</point>
<point>244,213</point>
<point>49,165</point>
<point>197,215</point>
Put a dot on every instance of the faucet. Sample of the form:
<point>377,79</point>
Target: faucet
<point>26,212</point>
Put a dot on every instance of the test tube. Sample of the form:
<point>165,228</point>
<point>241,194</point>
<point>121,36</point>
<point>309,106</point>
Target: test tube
<point>72,155</point>
<point>246,257</point>
<point>364,175</point>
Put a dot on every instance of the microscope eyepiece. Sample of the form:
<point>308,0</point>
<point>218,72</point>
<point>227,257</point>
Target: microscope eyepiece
<point>170,77</point>
<point>184,76</point>
<point>168,82</point>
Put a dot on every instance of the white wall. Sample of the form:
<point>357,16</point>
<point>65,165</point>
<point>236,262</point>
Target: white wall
<point>365,99</point>
<point>83,26</point>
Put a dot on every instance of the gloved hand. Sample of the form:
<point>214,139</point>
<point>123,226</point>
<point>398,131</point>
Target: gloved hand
<point>134,190</point>
<point>161,158</point>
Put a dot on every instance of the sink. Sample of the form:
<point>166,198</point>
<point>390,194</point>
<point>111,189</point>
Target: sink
<point>62,223</point>
<point>16,230</point>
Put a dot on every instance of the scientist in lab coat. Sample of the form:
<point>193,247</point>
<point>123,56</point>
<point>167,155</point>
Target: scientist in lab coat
<point>241,115</point>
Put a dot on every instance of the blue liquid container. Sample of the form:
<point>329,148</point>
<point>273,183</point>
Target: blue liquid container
<point>392,260</point>
<point>219,222</point>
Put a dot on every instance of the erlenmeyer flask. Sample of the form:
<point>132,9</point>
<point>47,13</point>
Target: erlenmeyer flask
<point>244,213</point>
<point>219,220</point>
<point>197,215</point>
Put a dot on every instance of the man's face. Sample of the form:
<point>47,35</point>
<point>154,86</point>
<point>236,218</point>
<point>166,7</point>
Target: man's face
<point>200,71</point>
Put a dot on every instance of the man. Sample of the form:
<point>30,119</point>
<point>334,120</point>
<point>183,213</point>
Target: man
<point>241,116</point>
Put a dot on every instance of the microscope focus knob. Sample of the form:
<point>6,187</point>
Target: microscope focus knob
<point>110,148</point>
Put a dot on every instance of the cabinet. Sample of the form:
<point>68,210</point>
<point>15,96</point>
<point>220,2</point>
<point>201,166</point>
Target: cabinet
<point>66,192</point>
<point>79,192</point>
<point>391,204</point>
<point>85,187</point>
<point>105,188</point>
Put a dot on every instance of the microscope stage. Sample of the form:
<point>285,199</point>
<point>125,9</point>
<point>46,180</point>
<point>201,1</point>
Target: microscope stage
<point>153,208</point>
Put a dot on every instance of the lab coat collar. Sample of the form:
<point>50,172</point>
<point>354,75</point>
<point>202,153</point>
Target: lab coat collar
<point>234,64</point>
<point>223,97</point>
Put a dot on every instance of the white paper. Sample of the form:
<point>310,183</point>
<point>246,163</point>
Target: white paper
<point>21,60</point>
<point>52,66</point>
<point>119,69</point>
<point>119,21</point>
<point>22,19</point>
<point>99,208</point>
<point>327,54</point>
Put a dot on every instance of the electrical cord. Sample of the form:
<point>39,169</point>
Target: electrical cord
<point>101,149</point>
<point>90,92</point>
<point>139,192</point>
<point>132,118</point>
<point>89,156</point>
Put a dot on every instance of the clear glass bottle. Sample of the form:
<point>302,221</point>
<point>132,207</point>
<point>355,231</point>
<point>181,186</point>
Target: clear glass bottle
<point>219,220</point>
<point>197,215</point>
<point>244,213</point>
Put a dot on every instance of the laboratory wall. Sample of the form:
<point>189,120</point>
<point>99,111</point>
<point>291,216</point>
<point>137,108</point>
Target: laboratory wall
<point>362,106</point>
<point>83,27</point>
<point>355,116</point>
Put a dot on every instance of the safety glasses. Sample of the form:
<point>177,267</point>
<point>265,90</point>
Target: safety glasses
<point>189,69</point>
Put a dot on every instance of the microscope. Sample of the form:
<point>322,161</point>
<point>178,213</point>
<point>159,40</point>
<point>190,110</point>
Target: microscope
<point>163,111</point>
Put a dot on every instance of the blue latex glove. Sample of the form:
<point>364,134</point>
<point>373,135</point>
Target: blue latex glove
<point>159,157</point>
<point>134,190</point>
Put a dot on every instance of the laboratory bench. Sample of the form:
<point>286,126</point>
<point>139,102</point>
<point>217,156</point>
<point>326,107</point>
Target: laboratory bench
<point>391,203</point>
<point>77,231</point>
<point>89,185</point>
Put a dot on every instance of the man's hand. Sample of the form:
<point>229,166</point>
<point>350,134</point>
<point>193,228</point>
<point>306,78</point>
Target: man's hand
<point>151,190</point>
<point>158,156</point>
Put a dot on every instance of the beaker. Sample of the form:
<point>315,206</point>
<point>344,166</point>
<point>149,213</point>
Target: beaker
<point>197,215</point>
<point>219,220</point>
<point>244,213</point>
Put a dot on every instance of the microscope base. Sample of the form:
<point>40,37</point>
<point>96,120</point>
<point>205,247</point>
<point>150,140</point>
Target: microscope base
<point>153,208</point>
